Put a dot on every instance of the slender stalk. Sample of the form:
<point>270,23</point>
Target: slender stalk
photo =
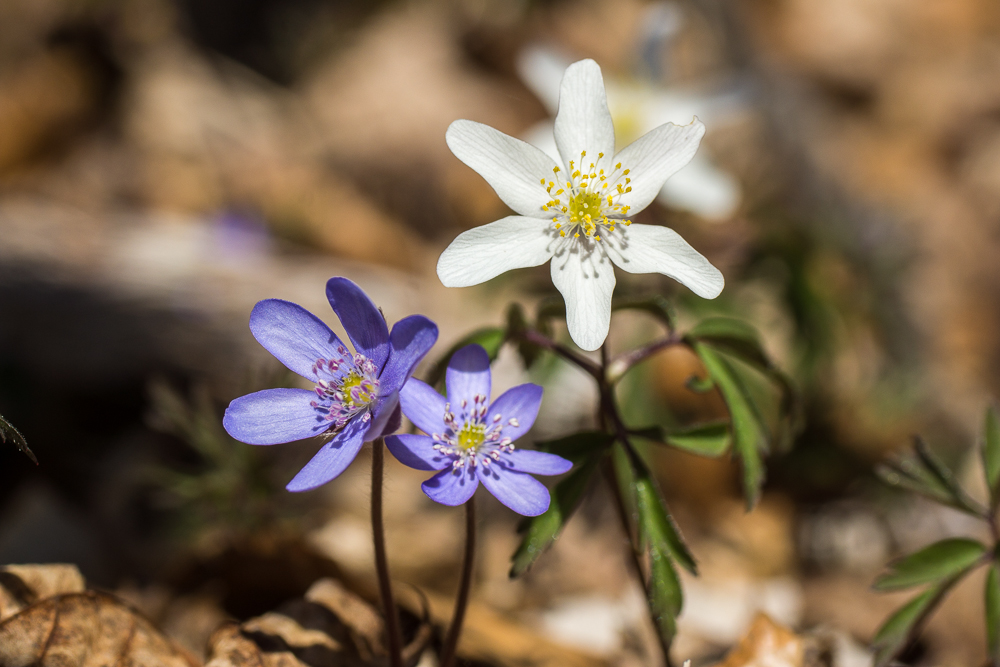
<point>623,362</point>
<point>542,340</point>
<point>608,411</point>
<point>381,562</point>
<point>462,601</point>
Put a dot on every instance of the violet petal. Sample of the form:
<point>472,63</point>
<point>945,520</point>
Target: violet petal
<point>423,406</point>
<point>520,403</point>
<point>521,492</point>
<point>295,337</point>
<point>535,462</point>
<point>410,339</point>
<point>417,451</point>
<point>273,416</point>
<point>452,486</point>
<point>362,320</point>
<point>382,412</point>
<point>332,459</point>
<point>468,375</point>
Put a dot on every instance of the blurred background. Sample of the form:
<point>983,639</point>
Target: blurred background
<point>164,164</point>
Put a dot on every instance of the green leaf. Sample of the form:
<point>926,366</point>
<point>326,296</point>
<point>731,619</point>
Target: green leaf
<point>657,526</point>
<point>664,595</point>
<point>937,562</point>
<point>993,613</point>
<point>945,478</point>
<point>991,453</point>
<point>710,439</point>
<point>656,305</point>
<point>578,447</point>
<point>749,435</point>
<point>491,338</point>
<point>897,631</point>
<point>8,431</point>
<point>699,385</point>
<point>541,531</point>
<point>908,472</point>
<point>739,339</point>
<point>732,335</point>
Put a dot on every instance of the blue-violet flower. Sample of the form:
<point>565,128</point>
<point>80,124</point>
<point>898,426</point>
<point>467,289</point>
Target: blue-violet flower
<point>471,440</point>
<point>356,398</point>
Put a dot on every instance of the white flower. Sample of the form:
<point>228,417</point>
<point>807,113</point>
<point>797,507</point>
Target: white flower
<point>577,213</point>
<point>637,107</point>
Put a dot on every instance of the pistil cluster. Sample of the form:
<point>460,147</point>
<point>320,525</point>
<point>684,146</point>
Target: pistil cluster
<point>589,201</point>
<point>347,386</point>
<point>469,439</point>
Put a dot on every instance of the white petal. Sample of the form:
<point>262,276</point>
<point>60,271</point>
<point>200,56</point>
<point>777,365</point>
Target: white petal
<point>703,189</point>
<point>485,252</point>
<point>583,122</point>
<point>512,167</point>
<point>656,156</point>
<point>586,279</point>
<point>652,249</point>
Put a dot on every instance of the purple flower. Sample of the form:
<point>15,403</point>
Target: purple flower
<point>356,398</point>
<point>472,441</point>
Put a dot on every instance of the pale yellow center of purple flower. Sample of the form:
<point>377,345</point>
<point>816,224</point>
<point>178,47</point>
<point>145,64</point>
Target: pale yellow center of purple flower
<point>470,438</point>
<point>588,201</point>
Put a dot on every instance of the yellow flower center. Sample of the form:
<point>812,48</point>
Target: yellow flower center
<point>358,392</point>
<point>471,435</point>
<point>590,201</point>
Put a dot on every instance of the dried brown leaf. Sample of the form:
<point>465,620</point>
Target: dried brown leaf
<point>768,644</point>
<point>22,585</point>
<point>88,629</point>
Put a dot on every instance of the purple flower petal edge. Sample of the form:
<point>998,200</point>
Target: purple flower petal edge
<point>362,321</point>
<point>332,459</point>
<point>274,416</point>
<point>451,487</point>
<point>535,462</point>
<point>468,375</point>
<point>519,491</point>
<point>521,403</point>
<point>423,406</point>
<point>295,337</point>
<point>410,339</point>
<point>417,451</point>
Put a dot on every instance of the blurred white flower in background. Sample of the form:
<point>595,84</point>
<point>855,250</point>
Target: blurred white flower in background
<point>637,106</point>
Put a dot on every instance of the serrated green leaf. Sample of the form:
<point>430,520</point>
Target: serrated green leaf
<point>749,435</point>
<point>579,446</point>
<point>657,526</point>
<point>541,531</point>
<point>656,305</point>
<point>993,613</point>
<point>937,562</point>
<point>897,631</point>
<point>491,338</point>
<point>711,439</point>
<point>991,453</point>
<point>9,432</point>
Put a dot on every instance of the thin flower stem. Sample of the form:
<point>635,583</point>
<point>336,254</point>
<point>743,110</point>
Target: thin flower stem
<point>541,340</point>
<point>623,362</point>
<point>381,562</point>
<point>608,411</point>
<point>462,601</point>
